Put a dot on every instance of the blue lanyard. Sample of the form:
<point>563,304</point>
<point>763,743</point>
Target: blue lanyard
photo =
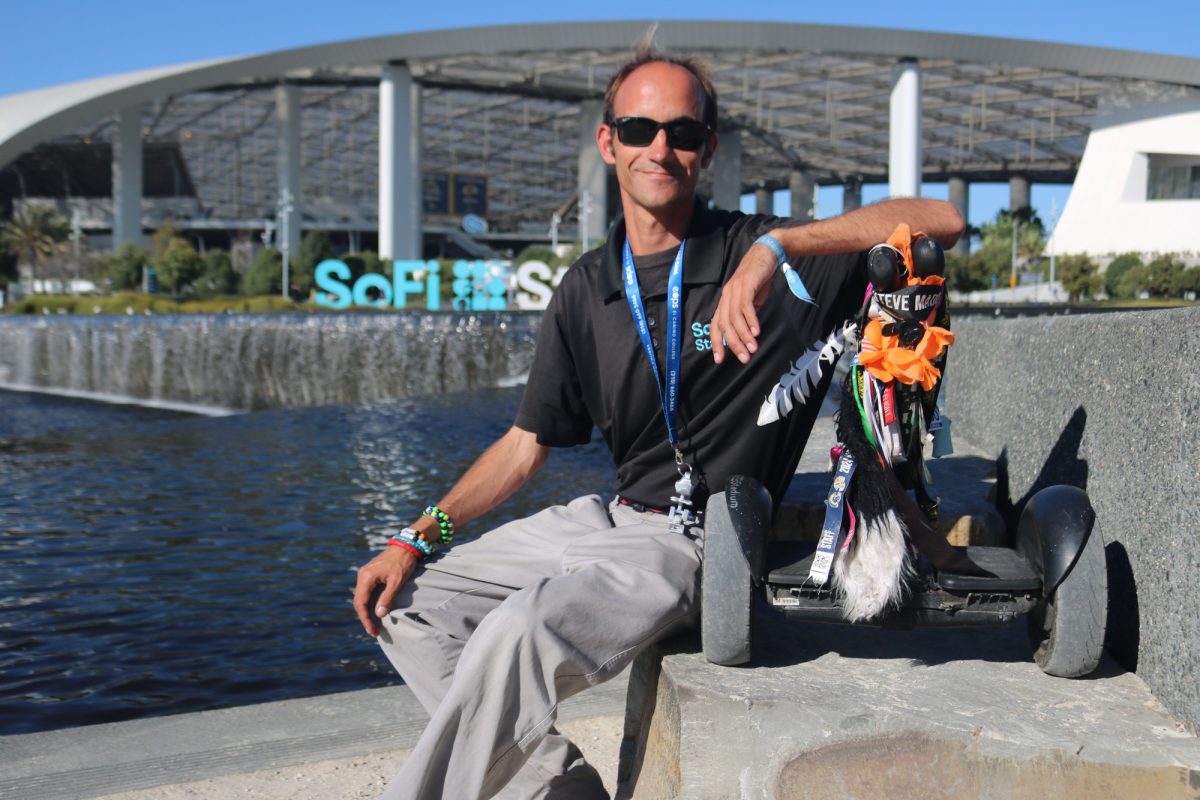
<point>670,396</point>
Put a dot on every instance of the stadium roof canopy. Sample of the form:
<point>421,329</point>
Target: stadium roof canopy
<point>504,102</point>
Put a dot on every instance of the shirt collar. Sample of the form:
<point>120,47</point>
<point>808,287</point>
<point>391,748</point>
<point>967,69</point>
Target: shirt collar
<point>703,256</point>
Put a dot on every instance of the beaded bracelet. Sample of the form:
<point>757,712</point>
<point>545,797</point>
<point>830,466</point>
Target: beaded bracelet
<point>406,546</point>
<point>445,524</point>
<point>412,539</point>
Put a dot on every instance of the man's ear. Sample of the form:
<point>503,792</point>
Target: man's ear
<point>710,150</point>
<point>604,141</point>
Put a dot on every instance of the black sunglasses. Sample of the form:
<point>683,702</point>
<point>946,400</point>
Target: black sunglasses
<point>684,133</point>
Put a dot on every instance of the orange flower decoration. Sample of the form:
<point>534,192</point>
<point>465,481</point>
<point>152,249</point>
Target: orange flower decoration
<point>886,359</point>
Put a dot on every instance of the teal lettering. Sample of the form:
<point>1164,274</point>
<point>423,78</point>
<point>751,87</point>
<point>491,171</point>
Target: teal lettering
<point>375,281</point>
<point>327,276</point>
<point>433,286</point>
<point>403,285</point>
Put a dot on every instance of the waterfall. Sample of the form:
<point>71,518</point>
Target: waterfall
<point>257,361</point>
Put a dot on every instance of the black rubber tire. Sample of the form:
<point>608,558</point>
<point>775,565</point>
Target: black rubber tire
<point>1067,628</point>
<point>726,591</point>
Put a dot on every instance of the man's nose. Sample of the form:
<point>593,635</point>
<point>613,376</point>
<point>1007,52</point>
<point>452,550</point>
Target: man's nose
<point>659,147</point>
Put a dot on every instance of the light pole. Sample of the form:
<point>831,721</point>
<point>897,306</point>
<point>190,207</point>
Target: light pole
<point>1012,281</point>
<point>1053,222</point>
<point>585,210</point>
<point>285,213</point>
<point>76,236</point>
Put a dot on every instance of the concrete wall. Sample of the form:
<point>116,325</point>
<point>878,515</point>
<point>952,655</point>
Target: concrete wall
<point>1110,403</point>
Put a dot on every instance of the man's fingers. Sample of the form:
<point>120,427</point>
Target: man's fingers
<point>384,604</point>
<point>717,338</point>
<point>362,596</point>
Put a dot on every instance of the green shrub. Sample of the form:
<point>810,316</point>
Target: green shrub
<point>265,275</point>
<point>179,266</point>
<point>218,276</point>
<point>1117,270</point>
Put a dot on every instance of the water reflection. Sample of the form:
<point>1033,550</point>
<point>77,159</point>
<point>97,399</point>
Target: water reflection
<point>153,563</point>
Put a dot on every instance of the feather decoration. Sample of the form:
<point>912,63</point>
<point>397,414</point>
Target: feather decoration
<point>797,383</point>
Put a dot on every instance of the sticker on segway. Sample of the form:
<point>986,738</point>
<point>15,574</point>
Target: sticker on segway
<point>785,600</point>
<point>831,532</point>
<point>911,302</point>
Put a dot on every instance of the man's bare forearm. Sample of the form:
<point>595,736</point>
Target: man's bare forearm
<point>500,471</point>
<point>865,227</point>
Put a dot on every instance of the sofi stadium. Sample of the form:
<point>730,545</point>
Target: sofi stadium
<point>393,142</point>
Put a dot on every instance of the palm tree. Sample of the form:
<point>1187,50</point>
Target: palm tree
<point>34,233</point>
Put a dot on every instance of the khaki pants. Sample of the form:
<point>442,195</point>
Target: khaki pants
<point>493,635</point>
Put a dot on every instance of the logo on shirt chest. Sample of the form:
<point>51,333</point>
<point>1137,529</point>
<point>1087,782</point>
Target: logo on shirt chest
<point>700,336</point>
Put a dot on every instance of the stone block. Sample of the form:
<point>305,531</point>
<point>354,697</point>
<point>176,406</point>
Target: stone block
<point>833,711</point>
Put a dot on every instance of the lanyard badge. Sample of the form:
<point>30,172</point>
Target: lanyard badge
<point>681,514</point>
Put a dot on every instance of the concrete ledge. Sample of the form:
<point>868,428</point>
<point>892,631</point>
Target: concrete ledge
<point>841,712</point>
<point>98,760</point>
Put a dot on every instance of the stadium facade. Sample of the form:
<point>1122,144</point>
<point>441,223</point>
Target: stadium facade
<point>394,142</point>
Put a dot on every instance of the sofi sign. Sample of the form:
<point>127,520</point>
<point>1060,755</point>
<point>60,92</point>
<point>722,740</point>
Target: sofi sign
<point>477,285</point>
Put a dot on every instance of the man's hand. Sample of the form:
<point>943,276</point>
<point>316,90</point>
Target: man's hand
<point>735,323</point>
<point>390,569</point>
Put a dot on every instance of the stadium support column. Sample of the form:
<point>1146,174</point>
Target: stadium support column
<point>904,141</point>
<point>727,172</point>
<point>399,164</point>
<point>852,195</point>
<point>764,201</point>
<point>958,188</point>
<point>127,178</point>
<point>802,187</point>
<point>1018,194</point>
<point>287,114</point>
<point>592,177</point>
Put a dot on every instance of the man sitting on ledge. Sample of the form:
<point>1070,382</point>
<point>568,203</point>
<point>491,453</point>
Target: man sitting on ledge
<point>492,634</point>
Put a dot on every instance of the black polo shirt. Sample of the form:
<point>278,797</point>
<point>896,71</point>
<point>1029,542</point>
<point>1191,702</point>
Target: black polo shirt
<point>589,368</point>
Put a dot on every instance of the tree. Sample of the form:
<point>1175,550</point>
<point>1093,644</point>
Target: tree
<point>1188,281</point>
<point>217,276</point>
<point>315,247</point>
<point>1133,282</point>
<point>8,268</point>
<point>265,275</point>
<point>1162,275</point>
<point>1078,276</point>
<point>166,233</point>
<point>995,244</point>
<point>1117,270</point>
<point>967,273</point>
<point>536,253</point>
<point>179,266</point>
<point>35,233</point>
<point>124,268</point>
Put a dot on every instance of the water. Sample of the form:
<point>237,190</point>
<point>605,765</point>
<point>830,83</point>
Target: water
<point>257,361</point>
<point>154,562</point>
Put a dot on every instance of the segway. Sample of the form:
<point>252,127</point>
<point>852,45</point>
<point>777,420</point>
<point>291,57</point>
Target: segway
<point>879,559</point>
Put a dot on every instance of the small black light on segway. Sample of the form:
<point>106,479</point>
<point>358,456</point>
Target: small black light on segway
<point>928,257</point>
<point>885,268</point>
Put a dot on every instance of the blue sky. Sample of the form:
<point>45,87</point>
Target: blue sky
<point>53,41</point>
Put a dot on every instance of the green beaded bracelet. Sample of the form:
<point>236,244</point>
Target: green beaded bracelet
<point>445,524</point>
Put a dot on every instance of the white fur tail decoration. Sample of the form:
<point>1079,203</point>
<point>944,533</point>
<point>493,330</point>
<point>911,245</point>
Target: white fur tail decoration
<point>872,574</point>
<point>796,384</point>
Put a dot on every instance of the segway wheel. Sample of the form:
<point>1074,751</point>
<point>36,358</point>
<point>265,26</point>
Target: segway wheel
<point>726,590</point>
<point>1067,628</point>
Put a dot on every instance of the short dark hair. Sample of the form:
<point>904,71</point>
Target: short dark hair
<point>646,52</point>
